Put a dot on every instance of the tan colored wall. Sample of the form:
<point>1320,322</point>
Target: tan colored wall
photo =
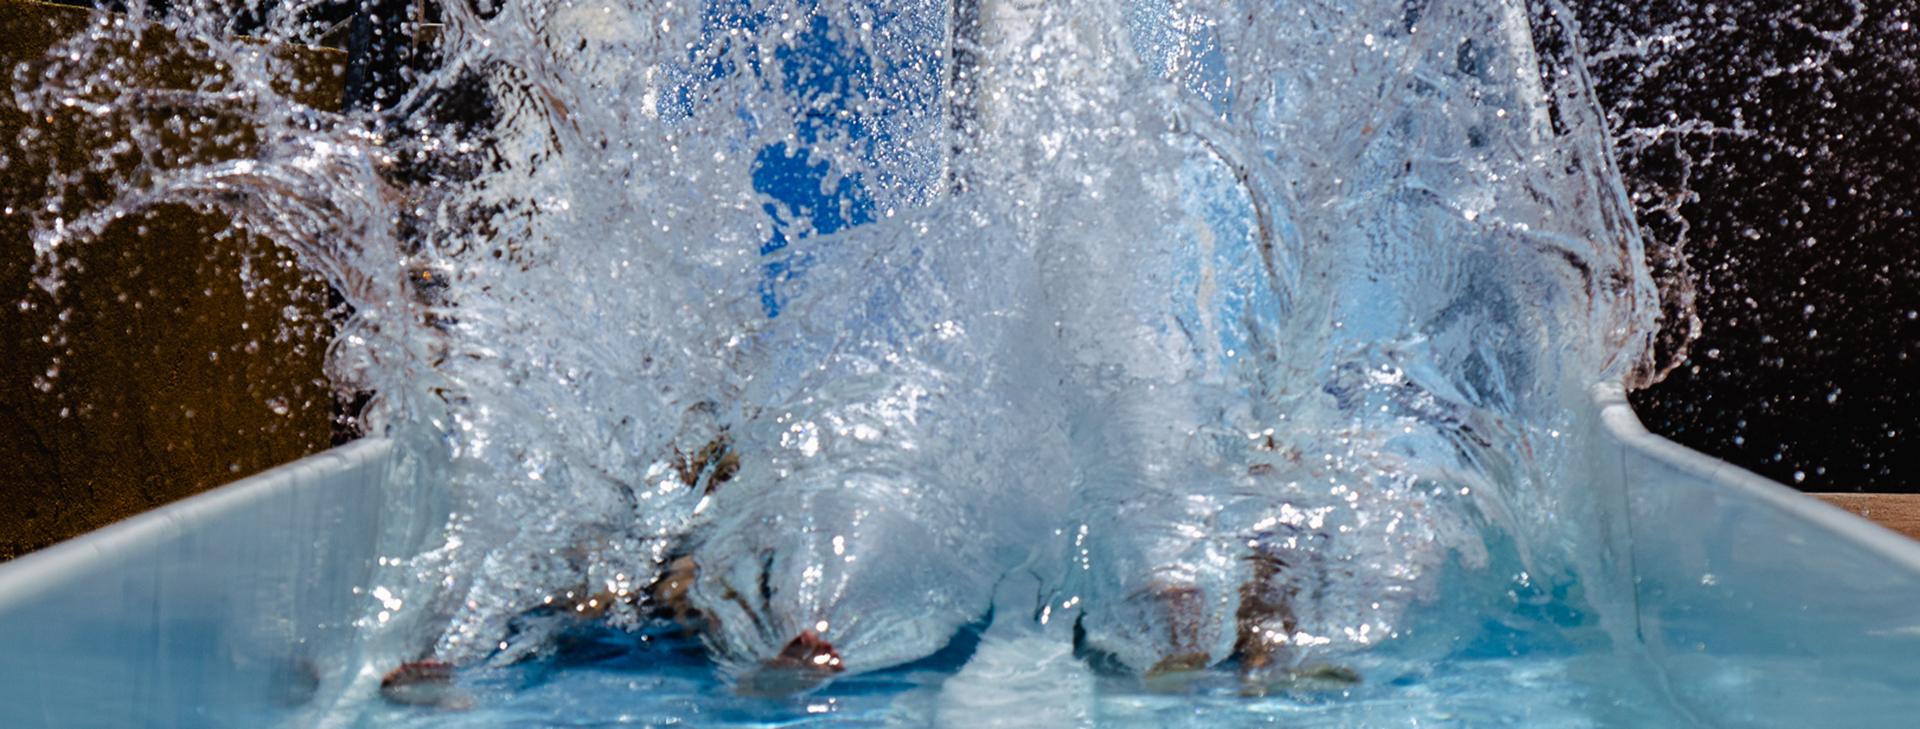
<point>169,374</point>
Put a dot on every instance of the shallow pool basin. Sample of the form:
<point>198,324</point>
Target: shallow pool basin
<point>253,605</point>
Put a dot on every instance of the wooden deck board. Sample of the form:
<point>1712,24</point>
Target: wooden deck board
<point>1899,512</point>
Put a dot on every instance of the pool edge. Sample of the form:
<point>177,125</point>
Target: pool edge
<point>25,577</point>
<point>1620,421</point>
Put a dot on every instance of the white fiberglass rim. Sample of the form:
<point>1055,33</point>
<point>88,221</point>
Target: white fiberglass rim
<point>36,576</point>
<point>1621,423</point>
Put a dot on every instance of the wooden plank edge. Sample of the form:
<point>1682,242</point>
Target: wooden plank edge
<point>1898,512</point>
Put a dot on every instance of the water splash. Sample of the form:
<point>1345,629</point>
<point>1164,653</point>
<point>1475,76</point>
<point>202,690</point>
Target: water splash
<point>1239,327</point>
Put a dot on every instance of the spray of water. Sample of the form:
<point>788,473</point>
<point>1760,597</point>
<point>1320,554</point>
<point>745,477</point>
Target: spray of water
<point>1237,326</point>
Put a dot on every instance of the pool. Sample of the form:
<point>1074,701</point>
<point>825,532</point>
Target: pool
<point>1756,607</point>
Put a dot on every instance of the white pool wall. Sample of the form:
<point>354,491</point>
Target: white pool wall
<point>211,611</point>
<point>1764,607</point>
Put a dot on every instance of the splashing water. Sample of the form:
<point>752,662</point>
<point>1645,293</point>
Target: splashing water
<point>1194,334</point>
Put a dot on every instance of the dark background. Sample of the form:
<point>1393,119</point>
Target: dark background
<point>1774,143</point>
<point>160,371</point>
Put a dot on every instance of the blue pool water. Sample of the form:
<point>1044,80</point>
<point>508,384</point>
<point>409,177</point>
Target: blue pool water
<point>606,679</point>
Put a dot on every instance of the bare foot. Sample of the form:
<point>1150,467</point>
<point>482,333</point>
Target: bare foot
<point>670,591</point>
<point>424,683</point>
<point>806,662</point>
<point>1310,678</point>
<point>1185,610</point>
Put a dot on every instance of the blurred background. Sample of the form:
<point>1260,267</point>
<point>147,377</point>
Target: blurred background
<point>1768,148</point>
